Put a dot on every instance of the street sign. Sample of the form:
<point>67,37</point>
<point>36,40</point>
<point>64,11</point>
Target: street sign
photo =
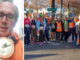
<point>50,9</point>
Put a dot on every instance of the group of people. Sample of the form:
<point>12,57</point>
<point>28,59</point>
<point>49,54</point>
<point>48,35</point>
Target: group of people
<point>40,27</point>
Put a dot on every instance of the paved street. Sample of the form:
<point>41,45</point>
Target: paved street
<point>52,51</point>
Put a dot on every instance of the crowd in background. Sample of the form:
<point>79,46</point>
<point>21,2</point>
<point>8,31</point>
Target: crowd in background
<point>42,29</point>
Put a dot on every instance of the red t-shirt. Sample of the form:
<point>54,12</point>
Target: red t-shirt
<point>27,21</point>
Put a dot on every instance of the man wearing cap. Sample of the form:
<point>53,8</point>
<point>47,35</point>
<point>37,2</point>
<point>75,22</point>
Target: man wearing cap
<point>71,28</point>
<point>58,28</point>
<point>66,29</point>
<point>11,44</point>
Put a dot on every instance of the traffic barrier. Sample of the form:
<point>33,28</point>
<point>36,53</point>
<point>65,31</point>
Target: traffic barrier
<point>77,43</point>
<point>70,38</point>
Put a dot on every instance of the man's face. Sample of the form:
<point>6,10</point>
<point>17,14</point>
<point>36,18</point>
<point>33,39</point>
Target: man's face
<point>6,26</point>
<point>65,19</point>
<point>59,18</point>
<point>44,16</point>
<point>71,18</point>
<point>26,16</point>
<point>38,16</point>
<point>53,18</point>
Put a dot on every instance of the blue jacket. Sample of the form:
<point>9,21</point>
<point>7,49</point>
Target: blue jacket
<point>45,21</point>
<point>38,25</point>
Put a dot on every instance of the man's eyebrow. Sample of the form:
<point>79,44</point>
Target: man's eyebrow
<point>7,13</point>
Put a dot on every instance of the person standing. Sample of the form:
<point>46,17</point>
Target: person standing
<point>53,29</point>
<point>49,20</point>
<point>75,28</point>
<point>59,28</point>
<point>33,31</point>
<point>27,29</point>
<point>38,28</point>
<point>66,29</point>
<point>62,33</point>
<point>71,28</point>
<point>41,31</point>
<point>46,29</point>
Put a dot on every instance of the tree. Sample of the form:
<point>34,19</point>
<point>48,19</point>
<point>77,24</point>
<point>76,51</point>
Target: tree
<point>38,4</point>
<point>74,5</point>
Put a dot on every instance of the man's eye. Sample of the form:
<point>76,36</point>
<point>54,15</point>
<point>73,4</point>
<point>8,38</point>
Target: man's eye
<point>10,17</point>
<point>1,15</point>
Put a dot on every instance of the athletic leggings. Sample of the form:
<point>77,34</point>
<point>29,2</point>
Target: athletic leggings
<point>41,36</point>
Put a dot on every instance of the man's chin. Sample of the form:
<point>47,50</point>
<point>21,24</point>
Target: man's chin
<point>4,34</point>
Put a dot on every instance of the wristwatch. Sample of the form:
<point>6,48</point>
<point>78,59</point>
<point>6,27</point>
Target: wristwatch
<point>7,47</point>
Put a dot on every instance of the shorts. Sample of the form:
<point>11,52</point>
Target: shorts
<point>53,30</point>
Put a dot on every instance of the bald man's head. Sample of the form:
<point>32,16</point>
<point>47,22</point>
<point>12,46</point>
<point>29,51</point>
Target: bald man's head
<point>12,6</point>
<point>8,18</point>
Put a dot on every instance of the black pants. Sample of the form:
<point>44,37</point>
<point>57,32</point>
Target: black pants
<point>46,34</point>
<point>71,31</point>
<point>58,35</point>
<point>25,42</point>
<point>27,35</point>
<point>79,38</point>
<point>66,36</point>
<point>75,34</point>
<point>41,36</point>
<point>33,34</point>
<point>62,35</point>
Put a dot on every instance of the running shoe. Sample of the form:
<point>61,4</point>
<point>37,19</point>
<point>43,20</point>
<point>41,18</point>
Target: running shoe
<point>61,41</point>
<point>48,42</point>
<point>36,43</point>
<point>44,42</point>
<point>40,43</point>
<point>51,39</point>
<point>32,43</point>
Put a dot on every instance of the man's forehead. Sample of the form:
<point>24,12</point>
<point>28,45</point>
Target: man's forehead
<point>7,7</point>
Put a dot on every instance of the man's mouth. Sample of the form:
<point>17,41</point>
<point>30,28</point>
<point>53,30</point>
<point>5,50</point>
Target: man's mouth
<point>3,29</point>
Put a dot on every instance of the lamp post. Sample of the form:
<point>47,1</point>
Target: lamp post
<point>61,8</point>
<point>53,6</point>
<point>68,10</point>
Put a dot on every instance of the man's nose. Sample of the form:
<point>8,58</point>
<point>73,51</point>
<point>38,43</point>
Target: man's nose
<point>4,20</point>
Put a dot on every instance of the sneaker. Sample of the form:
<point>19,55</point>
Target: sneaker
<point>32,43</point>
<point>48,42</point>
<point>73,41</point>
<point>44,42</point>
<point>29,45</point>
<point>51,39</point>
<point>61,41</point>
<point>65,41</point>
<point>40,43</point>
<point>26,44</point>
<point>36,43</point>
